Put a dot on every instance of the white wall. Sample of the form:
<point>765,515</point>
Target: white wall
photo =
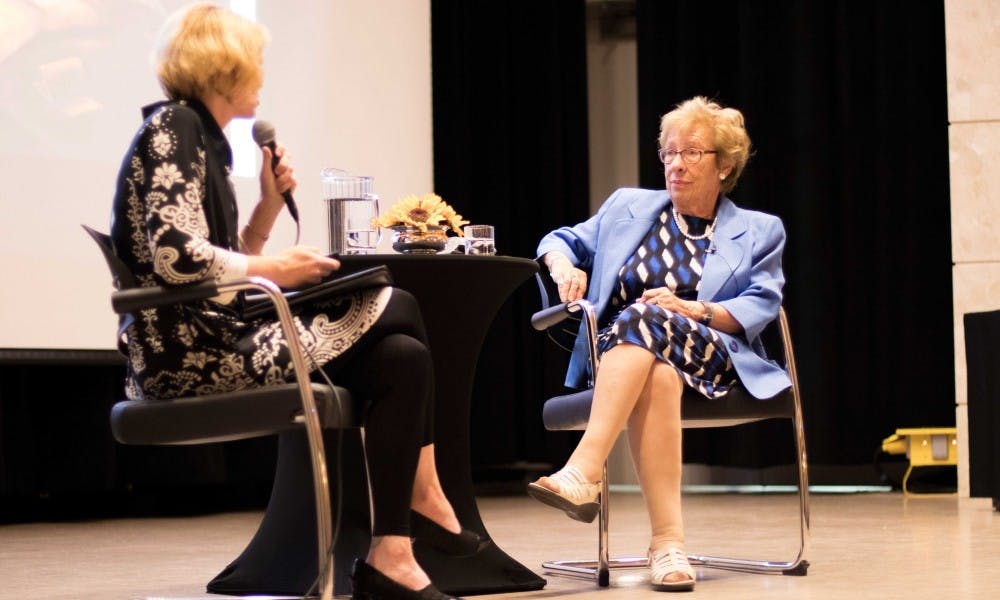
<point>347,84</point>
<point>971,28</point>
<point>350,82</point>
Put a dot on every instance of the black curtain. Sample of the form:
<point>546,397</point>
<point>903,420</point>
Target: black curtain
<point>58,458</point>
<point>846,105</point>
<point>510,150</point>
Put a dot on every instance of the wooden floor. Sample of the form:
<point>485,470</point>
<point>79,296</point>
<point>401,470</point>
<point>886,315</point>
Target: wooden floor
<point>863,546</point>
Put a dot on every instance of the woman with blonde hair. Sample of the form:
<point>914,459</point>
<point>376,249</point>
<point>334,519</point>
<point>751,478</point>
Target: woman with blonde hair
<point>683,282</point>
<point>174,222</point>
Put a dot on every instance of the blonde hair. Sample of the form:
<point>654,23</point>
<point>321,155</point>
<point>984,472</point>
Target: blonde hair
<point>205,48</point>
<point>731,141</point>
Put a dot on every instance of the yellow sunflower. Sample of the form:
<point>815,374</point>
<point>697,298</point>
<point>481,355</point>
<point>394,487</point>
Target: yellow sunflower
<point>428,210</point>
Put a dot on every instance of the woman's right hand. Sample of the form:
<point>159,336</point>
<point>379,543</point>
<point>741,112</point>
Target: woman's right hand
<point>277,179</point>
<point>570,281</point>
<point>295,267</point>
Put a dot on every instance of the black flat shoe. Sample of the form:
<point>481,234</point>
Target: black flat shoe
<point>369,584</point>
<point>426,531</point>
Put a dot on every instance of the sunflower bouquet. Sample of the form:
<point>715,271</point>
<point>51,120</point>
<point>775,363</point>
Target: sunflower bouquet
<point>426,211</point>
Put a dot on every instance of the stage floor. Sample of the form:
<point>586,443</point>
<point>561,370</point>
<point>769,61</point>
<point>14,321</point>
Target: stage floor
<point>863,546</point>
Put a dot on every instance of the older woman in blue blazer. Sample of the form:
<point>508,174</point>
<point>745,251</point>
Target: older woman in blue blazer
<point>683,282</point>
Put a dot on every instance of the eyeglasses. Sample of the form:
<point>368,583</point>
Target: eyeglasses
<point>689,155</point>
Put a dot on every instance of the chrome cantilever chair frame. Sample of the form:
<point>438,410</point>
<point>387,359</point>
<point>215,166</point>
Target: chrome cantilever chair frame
<point>579,405</point>
<point>125,301</point>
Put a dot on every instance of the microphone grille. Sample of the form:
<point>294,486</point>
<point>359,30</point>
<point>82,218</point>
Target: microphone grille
<point>263,132</point>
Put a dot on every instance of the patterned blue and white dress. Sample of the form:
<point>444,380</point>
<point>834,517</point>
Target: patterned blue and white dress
<point>669,258</point>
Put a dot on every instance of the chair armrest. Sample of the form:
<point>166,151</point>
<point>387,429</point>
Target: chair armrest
<point>133,299</point>
<point>547,317</point>
<point>551,315</point>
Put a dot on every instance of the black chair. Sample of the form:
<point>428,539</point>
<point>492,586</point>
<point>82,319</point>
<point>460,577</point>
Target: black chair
<point>738,407</point>
<point>237,415</point>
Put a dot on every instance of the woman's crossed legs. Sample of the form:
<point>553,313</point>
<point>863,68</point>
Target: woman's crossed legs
<point>637,391</point>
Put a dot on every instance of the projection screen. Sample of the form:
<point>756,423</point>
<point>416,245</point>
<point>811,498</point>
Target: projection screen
<point>347,85</point>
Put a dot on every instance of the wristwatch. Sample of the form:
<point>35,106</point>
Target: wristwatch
<point>709,312</point>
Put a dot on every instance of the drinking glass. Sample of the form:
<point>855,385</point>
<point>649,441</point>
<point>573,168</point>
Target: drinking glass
<point>479,240</point>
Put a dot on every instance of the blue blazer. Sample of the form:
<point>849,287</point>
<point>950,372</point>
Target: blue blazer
<point>743,274</point>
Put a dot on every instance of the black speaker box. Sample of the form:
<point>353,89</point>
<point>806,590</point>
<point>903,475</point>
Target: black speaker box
<point>982,357</point>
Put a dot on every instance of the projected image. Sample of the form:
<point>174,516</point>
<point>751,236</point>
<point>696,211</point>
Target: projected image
<point>73,69</point>
<point>75,75</point>
<point>59,94</point>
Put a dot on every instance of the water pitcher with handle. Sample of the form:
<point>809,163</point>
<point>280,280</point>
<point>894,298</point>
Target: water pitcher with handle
<point>351,206</point>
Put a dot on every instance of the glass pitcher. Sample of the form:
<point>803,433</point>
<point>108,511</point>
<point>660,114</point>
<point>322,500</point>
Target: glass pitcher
<point>351,206</point>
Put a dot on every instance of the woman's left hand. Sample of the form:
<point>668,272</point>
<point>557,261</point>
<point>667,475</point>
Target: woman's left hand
<point>665,298</point>
<point>275,182</point>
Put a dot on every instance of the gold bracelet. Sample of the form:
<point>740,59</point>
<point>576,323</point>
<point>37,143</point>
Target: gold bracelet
<point>255,232</point>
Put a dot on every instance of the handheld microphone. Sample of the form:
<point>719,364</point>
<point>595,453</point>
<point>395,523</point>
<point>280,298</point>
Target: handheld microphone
<point>263,135</point>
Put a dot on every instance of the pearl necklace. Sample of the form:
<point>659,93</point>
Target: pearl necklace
<point>683,227</point>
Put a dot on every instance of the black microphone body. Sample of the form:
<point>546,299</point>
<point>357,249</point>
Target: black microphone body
<point>263,135</point>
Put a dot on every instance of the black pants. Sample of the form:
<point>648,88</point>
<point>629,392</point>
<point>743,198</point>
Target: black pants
<point>391,378</point>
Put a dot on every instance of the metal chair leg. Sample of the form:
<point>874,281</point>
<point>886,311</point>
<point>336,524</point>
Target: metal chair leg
<point>599,570</point>
<point>799,565</point>
<point>314,433</point>
<point>603,576</point>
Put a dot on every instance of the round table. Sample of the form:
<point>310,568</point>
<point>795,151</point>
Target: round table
<point>459,296</point>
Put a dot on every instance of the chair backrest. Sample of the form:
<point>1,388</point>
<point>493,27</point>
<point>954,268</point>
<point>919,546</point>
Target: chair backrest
<point>121,276</point>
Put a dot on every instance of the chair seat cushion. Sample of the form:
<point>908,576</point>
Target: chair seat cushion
<point>223,417</point>
<point>572,411</point>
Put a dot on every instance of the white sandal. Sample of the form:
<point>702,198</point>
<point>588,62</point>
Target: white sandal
<point>667,561</point>
<point>569,491</point>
